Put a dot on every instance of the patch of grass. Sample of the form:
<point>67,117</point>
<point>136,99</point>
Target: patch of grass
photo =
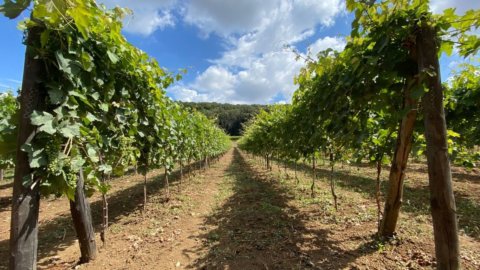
<point>234,138</point>
<point>270,209</point>
<point>115,228</point>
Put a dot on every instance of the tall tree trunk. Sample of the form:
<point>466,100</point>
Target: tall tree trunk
<point>2,173</point>
<point>442,200</point>
<point>332,180</point>
<point>394,195</point>
<point>82,221</point>
<point>26,199</point>
<point>314,177</point>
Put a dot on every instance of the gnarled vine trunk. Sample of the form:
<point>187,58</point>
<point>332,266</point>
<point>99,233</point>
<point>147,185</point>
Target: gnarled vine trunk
<point>442,200</point>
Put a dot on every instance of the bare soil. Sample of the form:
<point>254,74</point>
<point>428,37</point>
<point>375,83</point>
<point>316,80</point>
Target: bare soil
<point>238,215</point>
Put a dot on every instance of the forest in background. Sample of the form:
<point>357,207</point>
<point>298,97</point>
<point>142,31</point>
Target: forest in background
<point>230,117</point>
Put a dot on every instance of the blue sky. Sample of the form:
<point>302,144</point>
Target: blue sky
<point>233,50</point>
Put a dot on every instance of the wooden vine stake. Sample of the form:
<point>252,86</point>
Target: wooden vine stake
<point>26,198</point>
<point>442,201</point>
<point>82,221</point>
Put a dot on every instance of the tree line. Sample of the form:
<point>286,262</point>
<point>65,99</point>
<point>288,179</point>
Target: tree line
<point>230,117</point>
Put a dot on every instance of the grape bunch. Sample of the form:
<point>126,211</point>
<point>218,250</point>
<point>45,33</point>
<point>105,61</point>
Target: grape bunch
<point>52,151</point>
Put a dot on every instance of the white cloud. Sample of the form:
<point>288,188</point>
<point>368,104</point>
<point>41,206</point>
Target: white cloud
<point>180,92</point>
<point>254,67</point>
<point>437,6</point>
<point>148,15</point>
<point>217,16</point>
<point>216,80</point>
<point>324,43</point>
<point>264,79</point>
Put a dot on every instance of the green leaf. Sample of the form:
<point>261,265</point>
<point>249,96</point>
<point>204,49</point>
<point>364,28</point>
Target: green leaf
<point>105,168</point>
<point>447,48</point>
<point>70,131</point>
<point>87,61</point>
<point>113,57</point>
<point>77,163</point>
<point>418,91</point>
<point>104,107</point>
<point>92,154</point>
<point>91,117</point>
<point>55,95</point>
<point>44,120</point>
<point>36,157</point>
<point>12,9</point>
<point>70,192</point>
<point>69,66</point>
<point>453,134</point>
<point>82,18</point>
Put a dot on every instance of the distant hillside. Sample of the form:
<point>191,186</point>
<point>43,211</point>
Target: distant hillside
<point>229,116</point>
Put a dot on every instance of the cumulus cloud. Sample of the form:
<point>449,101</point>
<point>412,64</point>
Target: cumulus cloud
<point>335,43</point>
<point>254,68</point>
<point>287,23</point>
<point>437,6</point>
<point>264,79</point>
<point>224,19</point>
<point>148,15</point>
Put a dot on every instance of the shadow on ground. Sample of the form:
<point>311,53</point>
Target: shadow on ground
<point>416,199</point>
<point>256,228</point>
<point>58,234</point>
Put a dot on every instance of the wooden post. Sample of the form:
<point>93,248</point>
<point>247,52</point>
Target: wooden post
<point>82,221</point>
<point>181,172</point>
<point>314,177</point>
<point>377,193</point>
<point>166,183</point>
<point>442,201</point>
<point>332,180</point>
<point>394,194</point>
<point>145,192</point>
<point>26,199</point>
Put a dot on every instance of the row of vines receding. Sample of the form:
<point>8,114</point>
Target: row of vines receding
<point>381,100</point>
<point>92,106</point>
